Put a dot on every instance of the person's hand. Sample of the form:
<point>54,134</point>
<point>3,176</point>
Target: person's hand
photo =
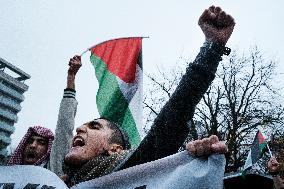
<point>216,25</point>
<point>64,178</point>
<point>272,165</point>
<point>74,65</point>
<point>206,147</point>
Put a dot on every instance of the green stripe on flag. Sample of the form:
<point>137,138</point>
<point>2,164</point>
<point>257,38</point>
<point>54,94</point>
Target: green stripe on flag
<point>110,101</point>
<point>262,146</point>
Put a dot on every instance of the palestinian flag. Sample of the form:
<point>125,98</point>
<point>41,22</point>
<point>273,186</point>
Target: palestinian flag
<point>257,148</point>
<point>118,67</point>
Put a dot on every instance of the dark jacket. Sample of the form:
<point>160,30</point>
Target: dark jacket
<point>170,129</point>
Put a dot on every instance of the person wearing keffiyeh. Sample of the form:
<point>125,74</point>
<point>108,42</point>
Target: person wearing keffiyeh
<point>34,148</point>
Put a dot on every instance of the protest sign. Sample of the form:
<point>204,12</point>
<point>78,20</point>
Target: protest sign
<point>29,177</point>
<point>179,171</point>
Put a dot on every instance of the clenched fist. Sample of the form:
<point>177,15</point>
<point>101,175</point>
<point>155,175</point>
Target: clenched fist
<point>216,25</point>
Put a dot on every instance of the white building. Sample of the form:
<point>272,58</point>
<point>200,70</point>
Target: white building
<point>12,88</point>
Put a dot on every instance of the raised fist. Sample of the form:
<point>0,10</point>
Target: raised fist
<point>74,65</point>
<point>216,25</point>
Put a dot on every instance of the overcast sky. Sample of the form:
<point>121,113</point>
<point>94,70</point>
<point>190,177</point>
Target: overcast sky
<point>40,36</point>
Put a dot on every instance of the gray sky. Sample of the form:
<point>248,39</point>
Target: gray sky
<point>40,36</point>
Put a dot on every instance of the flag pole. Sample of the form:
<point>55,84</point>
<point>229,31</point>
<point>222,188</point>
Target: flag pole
<point>105,41</point>
<point>269,150</point>
<point>84,52</point>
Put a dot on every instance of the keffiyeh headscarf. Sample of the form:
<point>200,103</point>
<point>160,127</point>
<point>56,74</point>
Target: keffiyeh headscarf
<point>16,158</point>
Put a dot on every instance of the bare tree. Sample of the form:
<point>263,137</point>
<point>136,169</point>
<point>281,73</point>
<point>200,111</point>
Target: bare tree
<point>241,98</point>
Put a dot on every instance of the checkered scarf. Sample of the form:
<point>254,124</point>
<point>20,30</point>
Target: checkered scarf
<point>98,166</point>
<point>16,158</point>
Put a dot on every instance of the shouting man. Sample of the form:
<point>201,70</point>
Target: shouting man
<point>34,148</point>
<point>101,147</point>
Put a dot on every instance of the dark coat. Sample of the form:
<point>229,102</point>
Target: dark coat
<point>170,127</point>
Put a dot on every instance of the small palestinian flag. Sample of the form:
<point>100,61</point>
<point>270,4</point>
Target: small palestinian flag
<point>118,67</point>
<point>257,148</point>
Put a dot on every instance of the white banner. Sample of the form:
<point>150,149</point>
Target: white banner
<point>179,171</point>
<point>29,177</point>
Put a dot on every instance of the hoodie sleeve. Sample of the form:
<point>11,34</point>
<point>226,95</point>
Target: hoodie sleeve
<point>63,131</point>
<point>170,128</point>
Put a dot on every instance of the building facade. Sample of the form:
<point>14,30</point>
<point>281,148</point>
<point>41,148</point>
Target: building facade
<point>12,88</point>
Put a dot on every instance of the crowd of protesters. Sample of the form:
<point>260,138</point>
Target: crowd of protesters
<point>101,146</point>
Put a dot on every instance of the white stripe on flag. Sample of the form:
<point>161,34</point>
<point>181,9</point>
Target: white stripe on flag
<point>133,93</point>
<point>248,163</point>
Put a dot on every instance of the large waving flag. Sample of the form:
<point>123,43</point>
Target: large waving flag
<point>257,148</point>
<point>118,67</point>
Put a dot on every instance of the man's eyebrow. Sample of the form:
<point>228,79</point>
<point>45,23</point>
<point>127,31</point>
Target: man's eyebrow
<point>41,139</point>
<point>95,122</point>
<point>33,137</point>
<point>36,137</point>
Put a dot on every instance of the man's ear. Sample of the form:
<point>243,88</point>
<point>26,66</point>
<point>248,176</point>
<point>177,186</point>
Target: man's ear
<point>115,148</point>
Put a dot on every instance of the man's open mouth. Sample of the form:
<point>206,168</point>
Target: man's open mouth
<point>78,141</point>
<point>30,155</point>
